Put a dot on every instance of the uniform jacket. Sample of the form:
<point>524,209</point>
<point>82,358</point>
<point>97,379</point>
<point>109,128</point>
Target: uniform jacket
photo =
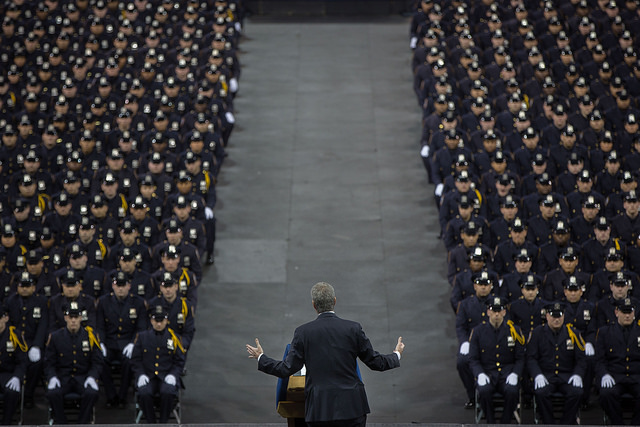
<point>117,322</point>
<point>497,353</point>
<point>616,356</point>
<point>13,358</point>
<point>556,355</point>
<point>181,317</point>
<point>328,346</point>
<point>29,316</point>
<point>157,354</point>
<point>72,356</point>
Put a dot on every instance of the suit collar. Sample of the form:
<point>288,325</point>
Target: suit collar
<point>327,314</point>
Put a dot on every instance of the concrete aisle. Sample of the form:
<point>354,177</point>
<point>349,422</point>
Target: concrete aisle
<point>324,182</point>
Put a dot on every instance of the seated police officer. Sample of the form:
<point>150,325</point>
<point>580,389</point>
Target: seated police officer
<point>119,316</point>
<point>71,290</point>
<point>180,310</point>
<point>497,358</point>
<point>72,364</point>
<point>618,363</point>
<point>555,360</point>
<point>13,362</point>
<point>157,361</point>
<point>471,312</point>
<point>28,313</point>
<point>186,279</point>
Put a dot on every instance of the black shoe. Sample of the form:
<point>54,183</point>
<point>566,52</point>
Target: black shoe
<point>122,404</point>
<point>210,260</point>
<point>470,404</point>
<point>113,403</point>
<point>28,402</point>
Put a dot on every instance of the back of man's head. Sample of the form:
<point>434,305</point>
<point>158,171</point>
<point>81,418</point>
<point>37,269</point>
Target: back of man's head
<point>323,297</point>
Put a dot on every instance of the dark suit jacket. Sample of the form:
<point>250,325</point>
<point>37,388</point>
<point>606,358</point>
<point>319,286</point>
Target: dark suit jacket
<point>329,346</point>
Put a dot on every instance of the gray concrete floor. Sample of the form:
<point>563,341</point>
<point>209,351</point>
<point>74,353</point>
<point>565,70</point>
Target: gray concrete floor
<point>324,182</point>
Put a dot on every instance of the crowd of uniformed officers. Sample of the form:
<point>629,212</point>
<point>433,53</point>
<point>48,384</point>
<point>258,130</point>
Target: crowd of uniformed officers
<point>531,138</point>
<point>114,118</point>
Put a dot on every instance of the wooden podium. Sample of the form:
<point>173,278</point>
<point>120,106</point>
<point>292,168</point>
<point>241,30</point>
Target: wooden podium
<point>293,407</point>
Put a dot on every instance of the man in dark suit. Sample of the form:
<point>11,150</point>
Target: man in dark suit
<point>329,346</point>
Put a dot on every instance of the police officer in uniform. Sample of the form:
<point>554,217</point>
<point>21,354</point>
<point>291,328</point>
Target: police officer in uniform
<point>189,257</point>
<point>471,312</point>
<point>71,291</point>
<point>193,229</point>
<point>145,211</point>
<point>42,275</point>
<point>158,361</point>
<point>28,312</point>
<point>555,360</point>
<point>180,310</point>
<point>92,277</point>
<point>594,250</point>
<point>620,287</point>
<point>618,363</point>
<point>141,283</point>
<point>120,315</point>
<point>73,363</point>
<point>555,280</point>
<point>527,311</point>
<point>129,239</point>
<point>12,367</point>
<point>497,358</point>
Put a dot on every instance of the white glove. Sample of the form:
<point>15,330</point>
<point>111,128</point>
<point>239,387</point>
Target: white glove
<point>208,212</point>
<point>34,354</point>
<point>512,379</point>
<point>230,118</point>
<point>127,351</point>
<point>91,382</point>
<point>13,384</point>
<point>237,26</point>
<point>576,381</point>
<point>439,189</point>
<point>424,152</point>
<point>233,85</point>
<point>607,381</point>
<point>588,349</point>
<point>483,379</point>
<point>464,348</point>
<point>53,383</point>
<point>104,349</point>
<point>170,379</point>
<point>143,381</point>
<point>540,381</point>
<point>413,42</point>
